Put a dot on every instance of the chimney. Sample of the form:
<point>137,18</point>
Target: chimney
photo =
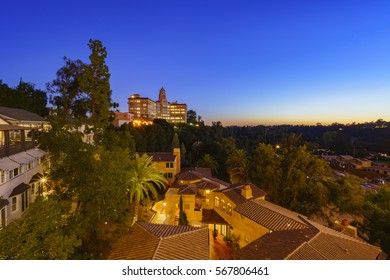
<point>246,191</point>
<point>345,227</point>
<point>176,152</point>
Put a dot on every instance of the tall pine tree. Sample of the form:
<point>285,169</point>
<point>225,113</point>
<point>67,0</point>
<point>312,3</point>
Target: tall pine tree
<point>95,83</point>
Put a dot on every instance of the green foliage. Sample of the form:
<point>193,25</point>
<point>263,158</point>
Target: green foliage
<point>144,180</point>
<point>191,116</point>
<point>152,138</point>
<point>67,95</point>
<point>175,141</point>
<point>347,194</point>
<point>266,172</point>
<point>238,166</point>
<point>183,152</point>
<point>209,162</point>
<point>95,82</point>
<point>377,218</point>
<point>92,176</point>
<point>102,196</point>
<point>81,92</point>
<point>183,221</point>
<point>46,232</point>
<point>24,96</point>
<point>302,184</point>
<point>114,137</point>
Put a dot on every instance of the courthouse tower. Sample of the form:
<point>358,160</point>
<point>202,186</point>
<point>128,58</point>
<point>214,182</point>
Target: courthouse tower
<point>162,105</point>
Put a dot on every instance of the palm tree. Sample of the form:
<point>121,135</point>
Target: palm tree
<point>209,162</point>
<point>144,180</point>
<point>238,166</point>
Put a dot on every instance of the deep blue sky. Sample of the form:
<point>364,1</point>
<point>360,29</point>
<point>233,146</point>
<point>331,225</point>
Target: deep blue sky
<point>240,62</point>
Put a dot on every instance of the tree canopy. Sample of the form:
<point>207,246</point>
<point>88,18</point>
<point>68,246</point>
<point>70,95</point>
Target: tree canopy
<point>24,96</point>
<point>46,232</point>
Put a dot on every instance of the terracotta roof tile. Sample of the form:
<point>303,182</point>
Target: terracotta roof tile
<point>192,245</point>
<point>334,247</point>
<point>161,230</point>
<point>316,242</point>
<point>155,241</point>
<point>189,176</point>
<point>234,193</point>
<point>306,252</point>
<point>220,182</point>
<point>205,184</point>
<point>270,215</point>
<point>161,156</point>
<point>210,216</point>
<point>276,245</point>
<point>187,189</point>
<point>138,244</point>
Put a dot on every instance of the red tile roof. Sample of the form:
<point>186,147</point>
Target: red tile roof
<point>147,241</point>
<point>161,156</point>
<point>210,216</point>
<point>188,189</point>
<point>334,247</point>
<point>276,245</point>
<point>234,193</point>
<point>270,215</point>
<point>315,242</point>
<point>161,230</point>
<point>189,176</point>
<point>205,184</point>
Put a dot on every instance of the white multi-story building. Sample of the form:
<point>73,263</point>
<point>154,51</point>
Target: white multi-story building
<point>22,168</point>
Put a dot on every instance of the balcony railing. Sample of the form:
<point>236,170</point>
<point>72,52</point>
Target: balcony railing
<point>16,148</point>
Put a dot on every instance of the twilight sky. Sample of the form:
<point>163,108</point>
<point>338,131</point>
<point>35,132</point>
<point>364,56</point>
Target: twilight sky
<point>239,62</point>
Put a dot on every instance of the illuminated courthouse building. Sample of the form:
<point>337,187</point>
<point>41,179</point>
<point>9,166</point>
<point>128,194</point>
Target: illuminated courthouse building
<point>145,108</point>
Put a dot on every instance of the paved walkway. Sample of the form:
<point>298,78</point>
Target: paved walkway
<point>218,248</point>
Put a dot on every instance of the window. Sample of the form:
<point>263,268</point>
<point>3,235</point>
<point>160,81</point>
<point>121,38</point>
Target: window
<point>14,136</point>
<point>28,135</point>
<point>34,188</point>
<point>207,202</point>
<point>168,175</point>
<point>30,165</point>
<point>14,172</point>
<point>229,208</point>
<point>2,217</point>
<point>13,204</point>
<point>169,164</point>
<point>216,202</point>
<point>223,205</point>
<point>2,176</point>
